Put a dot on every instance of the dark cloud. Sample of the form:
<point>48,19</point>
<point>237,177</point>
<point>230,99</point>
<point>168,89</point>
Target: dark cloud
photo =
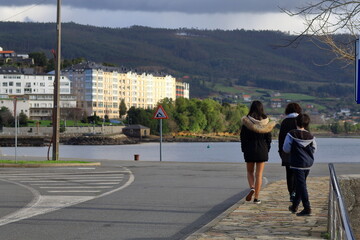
<point>185,6</point>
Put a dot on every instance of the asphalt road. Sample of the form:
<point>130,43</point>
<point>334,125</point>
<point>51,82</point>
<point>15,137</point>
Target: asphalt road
<point>137,200</point>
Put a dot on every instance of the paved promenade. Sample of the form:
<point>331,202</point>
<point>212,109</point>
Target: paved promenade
<point>271,219</point>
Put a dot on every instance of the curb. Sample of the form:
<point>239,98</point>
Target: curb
<point>195,235</point>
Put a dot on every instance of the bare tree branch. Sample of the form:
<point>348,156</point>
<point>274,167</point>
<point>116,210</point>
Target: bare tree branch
<point>324,20</point>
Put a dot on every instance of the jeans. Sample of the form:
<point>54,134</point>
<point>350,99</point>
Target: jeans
<point>290,180</point>
<point>301,189</point>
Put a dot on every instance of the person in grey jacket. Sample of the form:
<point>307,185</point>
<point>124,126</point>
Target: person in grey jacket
<point>301,145</point>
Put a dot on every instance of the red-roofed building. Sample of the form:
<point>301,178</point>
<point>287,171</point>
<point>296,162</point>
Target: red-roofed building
<point>7,54</point>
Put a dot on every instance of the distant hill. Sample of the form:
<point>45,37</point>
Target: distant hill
<point>208,58</point>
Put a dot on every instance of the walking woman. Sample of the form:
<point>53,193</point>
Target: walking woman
<point>292,110</point>
<point>255,140</point>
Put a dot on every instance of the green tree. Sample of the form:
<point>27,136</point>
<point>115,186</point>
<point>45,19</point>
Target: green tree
<point>336,128</point>
<point>50,65</point>
<point>214,118</point>
<point>122,108</point>
<point>40,59</point>
<point>181,114</point>
<point>6,117</point>
<point>233,115</point>
<point>23,119</point>
<point>197,119</point>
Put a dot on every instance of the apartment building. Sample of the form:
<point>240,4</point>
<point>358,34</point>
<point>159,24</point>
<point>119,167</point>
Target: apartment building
<point>182,90</point>
<point>99,89</point>
<point>37,89</point>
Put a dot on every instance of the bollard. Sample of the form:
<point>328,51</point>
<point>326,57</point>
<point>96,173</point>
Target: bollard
<point>136,157</point>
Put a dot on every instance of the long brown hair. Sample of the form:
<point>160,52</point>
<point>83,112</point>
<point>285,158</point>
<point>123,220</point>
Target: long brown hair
<point>257,110</point>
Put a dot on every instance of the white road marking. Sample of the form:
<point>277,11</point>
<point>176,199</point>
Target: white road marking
<point>44,181</point>
<point>66,187</point>
<point>105,183</point>
<point>44,204</point>
<point>73,183</point>
<point>73,191</point>
<point>65,177</point>
<point>65,181</point>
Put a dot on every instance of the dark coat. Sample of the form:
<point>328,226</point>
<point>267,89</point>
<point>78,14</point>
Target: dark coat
<point>255,139</point>
<point>287,125</point>
<point>301,145</point>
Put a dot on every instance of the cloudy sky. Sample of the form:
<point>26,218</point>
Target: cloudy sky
<point>201,14</point>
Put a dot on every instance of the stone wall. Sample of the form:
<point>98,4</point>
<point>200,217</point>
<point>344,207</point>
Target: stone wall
<point>350,189</point>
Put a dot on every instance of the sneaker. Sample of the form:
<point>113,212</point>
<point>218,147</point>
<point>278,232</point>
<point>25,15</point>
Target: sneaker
<point>304,212</point>
<point>250,194</point>
<point>257,201</point>
<point>292,197</point>
<point>293,209</point>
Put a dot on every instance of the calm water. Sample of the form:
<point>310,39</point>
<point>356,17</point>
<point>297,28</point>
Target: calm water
<point>329,150</point>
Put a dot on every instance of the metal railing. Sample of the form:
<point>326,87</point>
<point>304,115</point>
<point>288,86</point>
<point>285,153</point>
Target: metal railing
<point>338,220</point>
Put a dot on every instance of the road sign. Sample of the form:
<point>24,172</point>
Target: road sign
<point>160,113</point>
<point>357,73</point>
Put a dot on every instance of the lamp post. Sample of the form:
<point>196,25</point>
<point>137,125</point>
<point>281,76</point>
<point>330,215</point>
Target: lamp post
<point>56,109</point>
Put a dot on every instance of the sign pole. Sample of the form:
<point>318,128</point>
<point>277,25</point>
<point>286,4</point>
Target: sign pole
<point>160,114</point>
<point>160,140</point>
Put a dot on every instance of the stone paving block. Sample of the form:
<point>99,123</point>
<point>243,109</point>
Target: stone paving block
<point>271,219</point>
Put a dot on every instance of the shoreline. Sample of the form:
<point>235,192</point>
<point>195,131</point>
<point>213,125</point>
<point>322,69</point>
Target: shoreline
<point>122,140</point>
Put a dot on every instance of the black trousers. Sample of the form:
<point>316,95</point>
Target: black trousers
<point>301,188</point>
<point>290,180</point>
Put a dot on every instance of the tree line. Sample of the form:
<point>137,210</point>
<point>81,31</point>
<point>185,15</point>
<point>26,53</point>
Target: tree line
<point>191,115</point>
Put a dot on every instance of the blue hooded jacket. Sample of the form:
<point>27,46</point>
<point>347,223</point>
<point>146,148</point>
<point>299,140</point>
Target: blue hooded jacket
<point>301,145</point>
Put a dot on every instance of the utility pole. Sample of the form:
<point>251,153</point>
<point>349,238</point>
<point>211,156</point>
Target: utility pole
<point>56,110</point>
<point>16,127</point>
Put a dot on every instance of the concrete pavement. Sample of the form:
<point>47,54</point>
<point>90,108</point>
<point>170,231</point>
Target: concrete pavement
<point>271,219</point>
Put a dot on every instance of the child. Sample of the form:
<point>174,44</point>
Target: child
<point>301,145</point>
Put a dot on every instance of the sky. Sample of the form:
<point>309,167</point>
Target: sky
<point>200,14</point>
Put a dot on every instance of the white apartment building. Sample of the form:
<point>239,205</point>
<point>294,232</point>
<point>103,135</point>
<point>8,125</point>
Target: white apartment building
<point>22,104</point>
<point>99,89</point>
<point>38,89</point>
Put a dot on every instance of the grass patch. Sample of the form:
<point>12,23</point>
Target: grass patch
<point>38,162</point>
<point>298,97</point>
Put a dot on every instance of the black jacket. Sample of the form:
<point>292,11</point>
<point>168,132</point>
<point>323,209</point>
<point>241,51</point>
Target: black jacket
<point>255,139</point>
<point>301,145</point>
<point>288,124</point>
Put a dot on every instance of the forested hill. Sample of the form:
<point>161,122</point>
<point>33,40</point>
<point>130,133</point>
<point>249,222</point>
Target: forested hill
<point>208,58</point>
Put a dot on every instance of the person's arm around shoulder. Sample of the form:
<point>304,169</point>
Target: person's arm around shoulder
<point>287,143</point>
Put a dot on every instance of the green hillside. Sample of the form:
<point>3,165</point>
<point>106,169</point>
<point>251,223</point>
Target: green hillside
<point>213,60</point>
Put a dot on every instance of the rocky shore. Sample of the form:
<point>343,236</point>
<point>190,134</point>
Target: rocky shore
<point>119,139</point>
<point>23,141</point>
